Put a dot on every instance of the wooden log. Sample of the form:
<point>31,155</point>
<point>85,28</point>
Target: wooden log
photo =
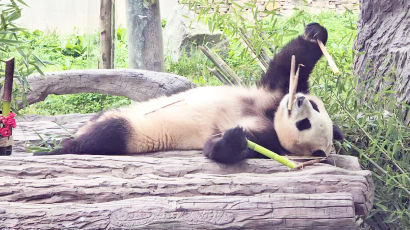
<point>78,178</point>
<point>277,211</point>
<point>138,85</point>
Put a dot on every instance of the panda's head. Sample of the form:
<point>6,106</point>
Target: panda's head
<point>306,130</point>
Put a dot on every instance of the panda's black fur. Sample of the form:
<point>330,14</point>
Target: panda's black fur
<point>223,138</point>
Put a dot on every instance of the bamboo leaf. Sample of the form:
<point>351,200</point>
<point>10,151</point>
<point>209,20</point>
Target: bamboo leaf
<point>9,41</point>
<point>38,69</point>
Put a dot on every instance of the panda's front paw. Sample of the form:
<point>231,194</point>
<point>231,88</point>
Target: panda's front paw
<point>314,31</point>
<point>235,138</point>
<point>229,149</point>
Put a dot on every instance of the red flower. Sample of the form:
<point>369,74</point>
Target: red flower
<point>7,122</point>
<point>5,132</point>
<point>10,122</point>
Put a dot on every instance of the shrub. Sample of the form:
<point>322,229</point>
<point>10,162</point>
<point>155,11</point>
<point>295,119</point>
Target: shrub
<point>14,44</point>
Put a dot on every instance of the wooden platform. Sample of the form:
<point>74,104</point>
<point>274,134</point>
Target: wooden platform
<point>177,190</point>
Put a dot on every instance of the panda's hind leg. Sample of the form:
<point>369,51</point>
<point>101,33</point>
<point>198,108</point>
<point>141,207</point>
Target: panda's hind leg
<point>229,149</point>
<point>107,137</point>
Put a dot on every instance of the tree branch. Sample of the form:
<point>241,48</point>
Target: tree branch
<point>138,85</point>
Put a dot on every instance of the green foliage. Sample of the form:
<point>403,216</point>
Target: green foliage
<point>374,127</point>
<point>192,65</point>
<point>74,52</point>
<point>121,49</point>
<point>13,44</point>
<point>74,47</point>
<point>163,23</point>
<point>230,24</point>
<point>76,103</point>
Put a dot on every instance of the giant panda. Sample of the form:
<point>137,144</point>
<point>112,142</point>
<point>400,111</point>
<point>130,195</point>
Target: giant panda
<point>220,119</point>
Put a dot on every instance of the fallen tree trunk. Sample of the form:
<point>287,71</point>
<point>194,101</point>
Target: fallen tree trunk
<point>277,211</point>
<point>138,85</point>
<point>178,191</point>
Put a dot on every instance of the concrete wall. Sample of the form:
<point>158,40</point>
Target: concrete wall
<point>82,16</point>
<point>69,16</point>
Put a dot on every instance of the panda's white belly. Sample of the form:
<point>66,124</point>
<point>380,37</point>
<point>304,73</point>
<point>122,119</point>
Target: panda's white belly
<point>186,120</point>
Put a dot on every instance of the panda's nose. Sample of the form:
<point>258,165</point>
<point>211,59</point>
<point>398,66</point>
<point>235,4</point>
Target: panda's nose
<point>300,101</point>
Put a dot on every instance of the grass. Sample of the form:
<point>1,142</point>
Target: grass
<point>74,52</point>
<point>374,129</point>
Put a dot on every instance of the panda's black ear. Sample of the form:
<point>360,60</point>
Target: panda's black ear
<point>337,133</point>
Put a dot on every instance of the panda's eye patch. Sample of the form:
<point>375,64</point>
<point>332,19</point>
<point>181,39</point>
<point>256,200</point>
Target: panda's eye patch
<point>314,105</point>
<point>303,124</point>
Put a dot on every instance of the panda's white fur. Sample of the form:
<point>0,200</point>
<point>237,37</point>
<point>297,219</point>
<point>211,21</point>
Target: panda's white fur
<point>188,119</point>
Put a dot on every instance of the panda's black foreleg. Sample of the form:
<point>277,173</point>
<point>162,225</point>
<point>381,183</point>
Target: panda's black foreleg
<point>307,52</point>
<point>229,149</point>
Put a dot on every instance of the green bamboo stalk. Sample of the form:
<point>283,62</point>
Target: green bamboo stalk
<point>262,58</point>
<point>220,76</point>
<point>264,151</point>
<point>221,65</point>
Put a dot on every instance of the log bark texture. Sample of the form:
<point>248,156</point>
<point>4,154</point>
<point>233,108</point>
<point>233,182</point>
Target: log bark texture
<point>172,190</point>
<point>138,85</point>
<point>146,191</point>
<point>107,27</point>
<point>277,211</point>
<point>144,32</point>
<point>383,48</point>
